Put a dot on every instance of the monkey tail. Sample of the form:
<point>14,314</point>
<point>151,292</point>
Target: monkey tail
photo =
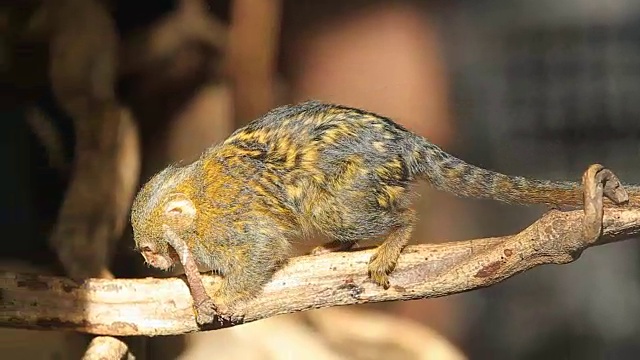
<point>448,173</point>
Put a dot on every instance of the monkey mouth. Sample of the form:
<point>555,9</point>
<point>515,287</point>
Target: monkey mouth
<point>159,262</point>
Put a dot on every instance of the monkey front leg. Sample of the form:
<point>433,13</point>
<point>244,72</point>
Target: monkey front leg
<point>205,308</point>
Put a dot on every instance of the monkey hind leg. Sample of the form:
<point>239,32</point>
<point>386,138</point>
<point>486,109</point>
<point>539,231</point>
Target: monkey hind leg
<point>383,262</point>
<point>332,246</point>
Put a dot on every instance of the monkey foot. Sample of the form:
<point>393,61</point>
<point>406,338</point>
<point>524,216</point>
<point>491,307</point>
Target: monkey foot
<point>320,250</point>
<point>207,311</point>
<point>332,246</point>
<point>379,270</point>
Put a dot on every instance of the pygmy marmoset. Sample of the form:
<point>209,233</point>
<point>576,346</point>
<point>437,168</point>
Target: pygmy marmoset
<point>341,171</point>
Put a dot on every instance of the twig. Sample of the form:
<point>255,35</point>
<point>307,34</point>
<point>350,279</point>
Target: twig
<point>107,348</point>
<point>164,306</point>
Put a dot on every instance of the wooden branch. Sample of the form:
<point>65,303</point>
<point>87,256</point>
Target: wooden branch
<point>164,306</point>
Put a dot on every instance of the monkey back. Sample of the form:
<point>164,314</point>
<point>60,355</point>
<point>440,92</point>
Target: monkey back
<point>332,147</point>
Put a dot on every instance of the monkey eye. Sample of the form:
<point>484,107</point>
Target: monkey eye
<point>146,249</point>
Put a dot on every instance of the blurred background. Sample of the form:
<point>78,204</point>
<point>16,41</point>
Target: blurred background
<point>537,88</point>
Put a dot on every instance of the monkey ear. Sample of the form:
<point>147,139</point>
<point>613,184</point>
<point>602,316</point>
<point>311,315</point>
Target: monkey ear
<point>180,211</point>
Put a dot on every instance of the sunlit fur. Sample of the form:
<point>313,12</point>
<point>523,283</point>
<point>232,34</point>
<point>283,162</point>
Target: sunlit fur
<point>337,170</point>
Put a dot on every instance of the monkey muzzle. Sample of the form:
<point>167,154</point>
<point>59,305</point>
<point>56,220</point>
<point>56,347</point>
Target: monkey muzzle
<point>158,260</point>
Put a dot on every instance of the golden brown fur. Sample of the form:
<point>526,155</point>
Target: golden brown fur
<point>341,171</point>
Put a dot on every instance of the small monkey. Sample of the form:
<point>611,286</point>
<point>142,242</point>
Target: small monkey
<point>341,171</point>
